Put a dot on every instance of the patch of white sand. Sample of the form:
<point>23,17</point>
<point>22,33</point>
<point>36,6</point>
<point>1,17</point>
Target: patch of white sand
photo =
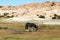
<point>24,19</point>
<point>18,19</point>
<point>44,21</point>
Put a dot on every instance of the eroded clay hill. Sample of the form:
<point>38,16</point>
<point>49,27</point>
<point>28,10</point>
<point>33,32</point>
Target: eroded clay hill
<point>47,9</point>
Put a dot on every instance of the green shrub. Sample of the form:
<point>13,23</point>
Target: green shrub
<point>58,16</point>
<point>53,4</point>
<point>1,16</point>
<point>12,16</point>
<point>9,16</point>
<point>53,17</point>
<point>41,16</point>
<point>5,14</point>
<point>37,14</point>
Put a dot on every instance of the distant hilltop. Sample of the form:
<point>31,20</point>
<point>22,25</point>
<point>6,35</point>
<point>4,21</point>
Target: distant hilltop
<point>33,5</point>
<point>47,9</point>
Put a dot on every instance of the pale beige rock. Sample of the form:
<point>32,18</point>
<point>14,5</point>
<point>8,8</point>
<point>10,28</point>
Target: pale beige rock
<point>47,9</point>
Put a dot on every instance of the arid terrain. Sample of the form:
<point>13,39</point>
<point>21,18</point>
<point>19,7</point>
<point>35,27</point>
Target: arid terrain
<point>16,31</point>
<point>45,15</point>
<point>34,10</point>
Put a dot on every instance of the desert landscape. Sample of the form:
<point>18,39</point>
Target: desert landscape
<point>45,15</point>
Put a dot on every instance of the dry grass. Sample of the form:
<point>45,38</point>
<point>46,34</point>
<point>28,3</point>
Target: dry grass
<point>8,34</point>
<point>46,35</point>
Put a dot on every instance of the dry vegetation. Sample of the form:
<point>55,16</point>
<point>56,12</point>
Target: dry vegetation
<point>15,31</point>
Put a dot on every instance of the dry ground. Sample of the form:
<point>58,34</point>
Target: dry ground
<point>15,31</point>
<point>45,35</point>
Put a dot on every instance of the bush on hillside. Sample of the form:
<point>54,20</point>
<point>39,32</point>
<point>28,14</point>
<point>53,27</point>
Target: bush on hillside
<point>58,16</point>
<point>53,17</point>
<point>9,16</point>
<point>53,4</point>
<point>37,14</point>
<point>1,16</point>
<point>41,16</point>
<point>5,14</point>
